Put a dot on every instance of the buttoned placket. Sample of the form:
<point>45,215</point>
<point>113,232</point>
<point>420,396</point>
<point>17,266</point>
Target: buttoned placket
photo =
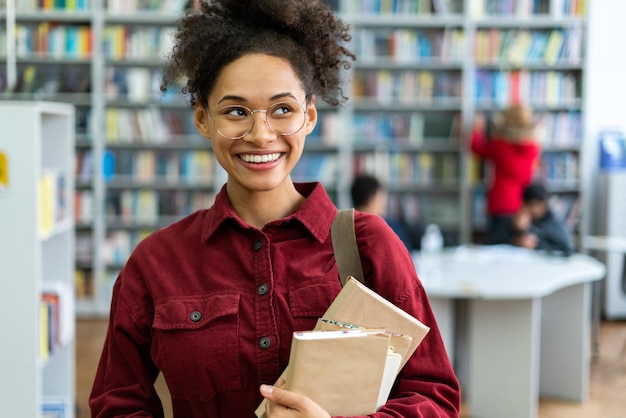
<point>266,326</point>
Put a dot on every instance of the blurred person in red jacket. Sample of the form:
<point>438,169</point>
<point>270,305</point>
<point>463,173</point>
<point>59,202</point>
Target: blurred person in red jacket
<point>512,151</point>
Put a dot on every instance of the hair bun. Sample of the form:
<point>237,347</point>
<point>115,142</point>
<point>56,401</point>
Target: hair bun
<point>515,122</point>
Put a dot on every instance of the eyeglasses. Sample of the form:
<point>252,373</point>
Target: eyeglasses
<point>237,121</point>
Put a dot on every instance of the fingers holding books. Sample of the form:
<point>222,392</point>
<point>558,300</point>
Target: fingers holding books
<point>286,404</point>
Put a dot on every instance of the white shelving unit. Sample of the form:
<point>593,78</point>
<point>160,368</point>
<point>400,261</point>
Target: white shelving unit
<point>37,140</point>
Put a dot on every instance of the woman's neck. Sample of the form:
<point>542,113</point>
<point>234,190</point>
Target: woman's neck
<point>259,208</point>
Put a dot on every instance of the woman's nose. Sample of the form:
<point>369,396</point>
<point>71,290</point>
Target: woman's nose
<point>260,131</point>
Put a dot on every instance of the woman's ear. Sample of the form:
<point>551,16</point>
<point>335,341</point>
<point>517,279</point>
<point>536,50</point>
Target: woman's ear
<point>200,119</point>
<point>311,116</point>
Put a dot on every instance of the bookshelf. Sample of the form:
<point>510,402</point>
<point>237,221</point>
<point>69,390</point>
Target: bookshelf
<point>536,56</point>
<point>37,258</point>
<point>408,105</point>
<point>425,69</point>
<point>156,167</point>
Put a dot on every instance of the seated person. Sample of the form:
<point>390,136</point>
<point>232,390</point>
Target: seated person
<point>535,226</point>
<point>369,195</point>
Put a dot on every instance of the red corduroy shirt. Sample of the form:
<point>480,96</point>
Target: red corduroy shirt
<point>212,303</point>
<point>514,165</point>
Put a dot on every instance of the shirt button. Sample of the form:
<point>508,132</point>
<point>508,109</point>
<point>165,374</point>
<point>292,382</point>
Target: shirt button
<point>257,246</point>
<point>265,343</point>
<point>195,316</point>
<point>262,289</point>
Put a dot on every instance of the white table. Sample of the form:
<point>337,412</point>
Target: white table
<point>527,324</point>
<point>604,243</point>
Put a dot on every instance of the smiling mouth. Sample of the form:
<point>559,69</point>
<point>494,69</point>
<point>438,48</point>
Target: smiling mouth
<point>258,159</point>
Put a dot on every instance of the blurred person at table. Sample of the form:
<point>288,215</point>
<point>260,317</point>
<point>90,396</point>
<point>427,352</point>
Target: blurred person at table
<point>535,226</point>
<point>512,152</point>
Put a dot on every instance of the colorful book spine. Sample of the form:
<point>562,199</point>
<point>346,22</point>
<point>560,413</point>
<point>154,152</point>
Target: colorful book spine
<point>52,203</point>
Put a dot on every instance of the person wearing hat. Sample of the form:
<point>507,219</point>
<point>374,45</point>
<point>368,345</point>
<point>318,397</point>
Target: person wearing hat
<point>513,154</point>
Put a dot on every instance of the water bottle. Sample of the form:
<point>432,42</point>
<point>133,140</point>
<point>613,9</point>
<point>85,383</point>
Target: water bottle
<point>432,240</point>
<point>429,264</point>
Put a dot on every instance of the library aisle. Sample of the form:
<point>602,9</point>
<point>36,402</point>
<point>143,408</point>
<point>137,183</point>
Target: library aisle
<point>607,386</point>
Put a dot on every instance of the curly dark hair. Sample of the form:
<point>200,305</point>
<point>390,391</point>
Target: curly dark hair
<point>304,32</point>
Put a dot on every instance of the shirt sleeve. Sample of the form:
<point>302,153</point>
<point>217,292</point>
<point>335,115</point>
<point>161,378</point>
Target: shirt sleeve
<point>479,145</point>
<point>427,385</point>
<point>124,382</point>
<point>553,235</point>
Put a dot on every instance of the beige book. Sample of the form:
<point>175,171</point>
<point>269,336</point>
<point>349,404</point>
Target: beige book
<point>358,304</point>
<point>342,371</point>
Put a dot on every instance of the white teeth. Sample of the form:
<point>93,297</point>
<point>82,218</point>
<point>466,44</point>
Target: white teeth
<point>255,158</point>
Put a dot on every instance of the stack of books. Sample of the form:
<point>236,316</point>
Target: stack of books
<point>349,362</point>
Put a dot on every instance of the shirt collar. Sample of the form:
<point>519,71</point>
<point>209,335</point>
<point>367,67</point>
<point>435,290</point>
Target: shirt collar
<point>316,213</point>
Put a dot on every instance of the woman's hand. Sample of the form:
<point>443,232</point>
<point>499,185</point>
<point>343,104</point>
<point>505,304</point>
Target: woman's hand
<point>480,122</point>
<point>283,403</point>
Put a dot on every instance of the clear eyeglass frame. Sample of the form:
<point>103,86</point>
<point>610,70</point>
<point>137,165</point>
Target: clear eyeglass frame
<point>221,118</point>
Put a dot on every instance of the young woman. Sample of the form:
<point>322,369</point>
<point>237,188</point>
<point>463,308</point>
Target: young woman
<point>212,301</point>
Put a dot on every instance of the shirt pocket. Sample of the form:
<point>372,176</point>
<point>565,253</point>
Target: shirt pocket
<point>197,343</point>
<point>308,303</point>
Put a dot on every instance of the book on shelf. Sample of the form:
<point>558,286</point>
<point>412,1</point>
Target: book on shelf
<point>523,47</point>
<point>4,171</point>
<point>58,297</point>
<point>400,128</point>
<point>550,88</point>
<point>83,283</point>
<point>56,317</point>
<point>518,54</point>
<point>50,324</point>
<point>561,168</point>
<point>84,206</point>
<point>139,6</point>
<point>360,305</point>
<point>52,202</point>
<point>55,407</point>
<point>412,7</point>
<point>512,8</point>
<point>553,47</point>
<point>44,330</point>
<point>84,247</point>
<point>443,7</point>
<point>476,8</point>
<point>560,8</point>
<point>417,209</point>
<point>321,166</point>
<point>54,40</point>
<point>47,5</point>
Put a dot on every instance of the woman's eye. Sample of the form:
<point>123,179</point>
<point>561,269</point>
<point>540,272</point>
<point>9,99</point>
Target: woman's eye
<point>281,109</point>
<point>237,112</point>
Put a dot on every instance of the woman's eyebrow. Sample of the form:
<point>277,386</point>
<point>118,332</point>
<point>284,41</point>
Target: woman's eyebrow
<point>244,100</point>
<point>282,96</point>
<point>231,97</point>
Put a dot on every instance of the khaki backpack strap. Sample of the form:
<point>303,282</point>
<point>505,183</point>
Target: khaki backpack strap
<point>345,246</point>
